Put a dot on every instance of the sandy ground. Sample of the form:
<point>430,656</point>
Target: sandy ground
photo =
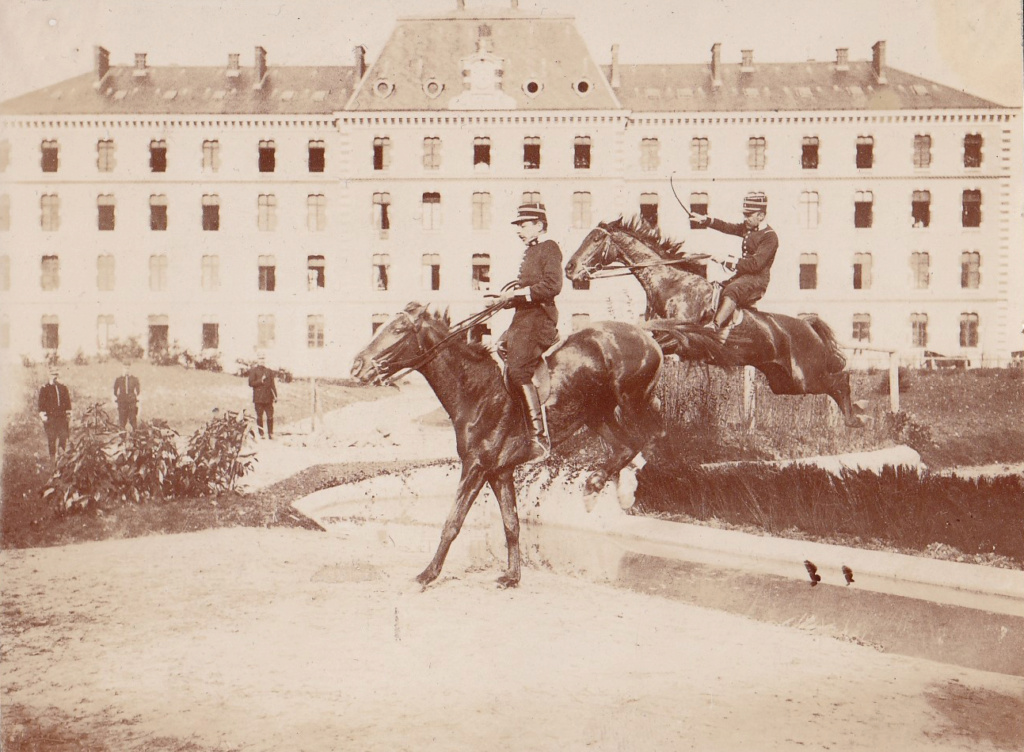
<point>291,639</point>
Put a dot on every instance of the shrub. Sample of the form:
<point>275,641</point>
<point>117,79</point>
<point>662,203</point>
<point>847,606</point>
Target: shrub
<point>214,458</point>
<point>166,356</point>
<point>203,361</point>
<point>123,350</point>
<point>903,429</point>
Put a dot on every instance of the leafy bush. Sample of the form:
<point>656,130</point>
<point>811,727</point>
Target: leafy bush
<point>166,356</point>
<point>214,458</point>
<point>202,361</point>
<point>81,359</point>
<point>244,366</point>
<point>123,350</point>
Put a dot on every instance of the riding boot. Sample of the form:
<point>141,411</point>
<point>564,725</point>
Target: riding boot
<point>539,444</point>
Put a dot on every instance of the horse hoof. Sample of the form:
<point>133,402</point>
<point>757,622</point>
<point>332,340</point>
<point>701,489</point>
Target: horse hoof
<point>595,483</point>
<point>425,577</point>
<point>507,581</point>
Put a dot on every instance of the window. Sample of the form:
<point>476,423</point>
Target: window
<point>105,212</point>
<point>5,154</point>
<point>580,321</point>
<point>531,153</point>
<point>211,156</point>
<point>51,333</point>
<point>921,208</point>
<point>266,330</point>
<point>159,334</point>
<point>808,271</point>
<point>699,154</point>
<point>650,158</point>
<point>431,211</point>
<point>481,211</point>
<point>266,217</point>
<point>49,206</point>
<point>431,271</point>
<point>316,273</point>
<point>211,212</point>
<point>920,269</point>
<point>158,273</point>
<point>5,212</point>
<point>968,330</point>
<point>381,153</point>
<point>381,216</point>
<point>971,213</point>
<point>922,151</point>
<point>972,150</point>
<point>970,270</point>
<point>862,327</point>
<point>105,155</point>
<point>581,153</point>
<point>105,331</point>
<point>649,208</point>
<point>809,153</point>
<point>158,212</point>
<point>377,320</point>
<point>481,151</point>
<point>105,273</point>
<point>210,270</point>
<point>381,265</point>
<point>861,271</point>
<point>5,272</point>
<point>267,278</point>
<point>581,215</point>
<point>315,332</point>
<point>919,330</point>
<point>477,332</point>
<point>810,212</point>
<point>431,153</point>
<point>50,277</point>
<point>865,152</point>
<point>698,205</point>
<point>481,272</point>
<point>862,209</point>
<point>50,156</point>
<point>755,153</point>
<point>267,156</point>
<point>158,155</point>
<point>211,335</point>
<point>531,197</point>
<point>317,156</point>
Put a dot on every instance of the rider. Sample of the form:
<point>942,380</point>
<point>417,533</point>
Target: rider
<point>534,325</point>
<point>752,270</point>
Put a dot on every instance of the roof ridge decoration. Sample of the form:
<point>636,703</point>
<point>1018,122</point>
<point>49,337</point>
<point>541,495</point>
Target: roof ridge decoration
<point>482,74</point>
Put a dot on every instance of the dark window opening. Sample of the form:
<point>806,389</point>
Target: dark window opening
<point>105,216</point>
<point>211,336</point>
<point>581,153</point>
<point>531,153</point>
<point>158,217</point>
<point>481,151</point>
<point>972,150</point>
<point>809,154</point>
<point>971,214</point>
<point>51,336</point>
<point>50,160</point>
<point>317,156</point>
<point>865,152</point>
<point>698,205</point>
<point>862,210</point>
<point>268,278</point>
<point>158,156</point>
<point>158,338</point>
<point>268,159</point>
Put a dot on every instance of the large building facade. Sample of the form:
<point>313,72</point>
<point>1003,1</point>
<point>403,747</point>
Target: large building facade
<point>291,210</point>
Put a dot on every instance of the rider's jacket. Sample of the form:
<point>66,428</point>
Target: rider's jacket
<point>540,276</point>
<point>759,248</point>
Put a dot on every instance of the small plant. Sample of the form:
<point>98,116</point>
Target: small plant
<point>81,359</point>
<point>166,355</point>
<point>214,458</point>
<point>126,350</point>
<point>903,429</point>
<point>204,361</point>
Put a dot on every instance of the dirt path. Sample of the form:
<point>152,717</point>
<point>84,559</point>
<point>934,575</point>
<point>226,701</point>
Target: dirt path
<point>288,639</point>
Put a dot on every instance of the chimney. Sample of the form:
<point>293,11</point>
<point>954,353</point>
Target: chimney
<point>747,64</point>
<point>616,81</point>
<point>360,53</point>
<point>842,59</point>
<point>102,62</point>
<point>261,67</point>
<point>716,64</point>
<point>140,64</point>
<point>233,69</point>
<point>878,61</point>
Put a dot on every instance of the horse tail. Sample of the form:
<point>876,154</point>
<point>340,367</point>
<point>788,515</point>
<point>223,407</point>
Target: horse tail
<point>691,342</point>
<point>837,358</point>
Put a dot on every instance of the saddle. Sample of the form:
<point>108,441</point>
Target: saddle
<point>541,377</point>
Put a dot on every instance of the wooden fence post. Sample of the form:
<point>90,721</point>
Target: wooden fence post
<point>894,381</point>
<point>313,405</point>
<point>749,397</point>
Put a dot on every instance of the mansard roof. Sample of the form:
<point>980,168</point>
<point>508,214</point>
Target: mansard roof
<point>782,86</point>
<point>524,48</point>
<point>192,90</point>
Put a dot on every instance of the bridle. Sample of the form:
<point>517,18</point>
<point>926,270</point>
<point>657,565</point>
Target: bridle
<point>605,265</point>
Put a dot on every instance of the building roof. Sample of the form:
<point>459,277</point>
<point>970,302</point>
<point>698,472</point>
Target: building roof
<point>176,89</point>
<point>782,86</point>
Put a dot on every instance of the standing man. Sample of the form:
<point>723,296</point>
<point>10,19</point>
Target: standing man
<point>264,395</point>
<point>126,396</point>
<point>55,411</point>
<point>534,325</point>
<point>752,270</point>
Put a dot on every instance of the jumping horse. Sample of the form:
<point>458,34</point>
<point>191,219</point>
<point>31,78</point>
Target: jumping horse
<point>603,377</point>
<point>796,355</point>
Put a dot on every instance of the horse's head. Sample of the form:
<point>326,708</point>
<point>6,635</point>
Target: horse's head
<point>397,344</point>
<point>597,251</point>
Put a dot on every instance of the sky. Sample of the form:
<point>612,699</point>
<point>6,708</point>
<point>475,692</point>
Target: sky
<point>973,45</point>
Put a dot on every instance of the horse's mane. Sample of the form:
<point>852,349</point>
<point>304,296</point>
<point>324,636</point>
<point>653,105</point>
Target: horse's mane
<point>824,331</point>
<point>651,236</point>
<point>475,350</point>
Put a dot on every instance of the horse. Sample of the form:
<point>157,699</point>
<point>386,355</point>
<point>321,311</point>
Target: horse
<point>796,355</point>
<point>603,377</point>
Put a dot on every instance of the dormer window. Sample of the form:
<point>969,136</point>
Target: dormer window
<point>433,88</point>
<point>582,87</point>
<point>383,88</point>
<point>533,87</point>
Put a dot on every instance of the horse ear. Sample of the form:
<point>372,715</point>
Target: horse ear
<point>415,309</point>
<point>446,317</point>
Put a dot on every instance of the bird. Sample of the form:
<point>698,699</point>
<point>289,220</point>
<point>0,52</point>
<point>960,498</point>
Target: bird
<point>812,571</point>
<point>848,574</point>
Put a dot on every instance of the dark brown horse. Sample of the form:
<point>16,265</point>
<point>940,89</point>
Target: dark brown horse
<point>797,355</point>
<point>602,377</point>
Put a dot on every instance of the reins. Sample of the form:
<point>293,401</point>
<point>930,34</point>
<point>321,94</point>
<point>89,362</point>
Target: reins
<point>623,270</point>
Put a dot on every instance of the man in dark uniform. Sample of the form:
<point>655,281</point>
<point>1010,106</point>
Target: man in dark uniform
<point>126,395</point>
<point>534,326</point>
<point>55,410</point>
<point>264,394</point>
<point>752,270</point>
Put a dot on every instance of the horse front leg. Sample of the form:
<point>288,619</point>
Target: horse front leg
<point>622,451</point>
<point>504,489</point>
<point>470,483</point>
